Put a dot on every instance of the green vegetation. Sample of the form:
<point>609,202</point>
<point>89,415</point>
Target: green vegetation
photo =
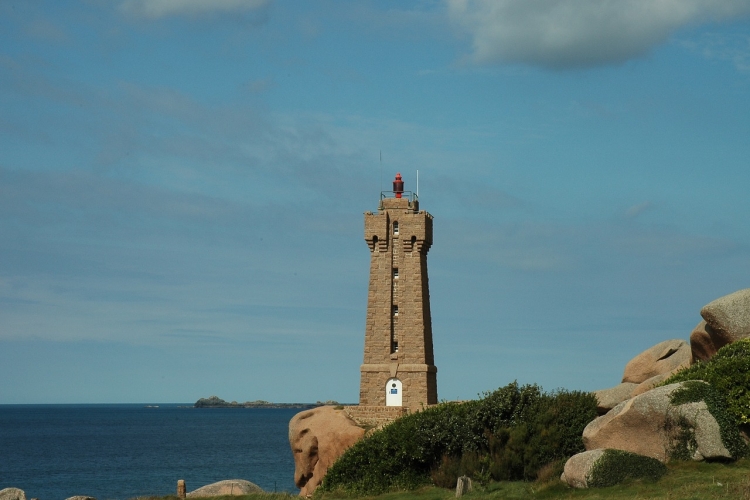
<point>695,391</point>
<point>521,433</point>
<point>682,436</point>
<point>253,496</point>
<point>510,434</point>
<point>729,373</point>
<point>617,466</point>
<point>683,481</point>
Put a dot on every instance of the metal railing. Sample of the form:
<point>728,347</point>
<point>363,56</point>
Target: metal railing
<point>410,195</point>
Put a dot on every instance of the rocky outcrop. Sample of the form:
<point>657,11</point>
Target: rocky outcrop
<point>729,316</point>
<point>705,342</point>
<point>646,425</point>
<point>217,402</point>
<point>653,382</point>
<point>577,471</point>
<point>662,358</point>
<point>725,320</point>
<point>601,468</point>
<point>638,417</point>
<point>12,494</point>
<point>80,497</point>
<point>707,433</point>
<point>609,398</point>
<point>228,487</point>
<point>318,437</point>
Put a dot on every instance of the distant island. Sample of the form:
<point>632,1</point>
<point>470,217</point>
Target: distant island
<point>217,402</point>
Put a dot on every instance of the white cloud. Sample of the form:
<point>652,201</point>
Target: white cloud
<point>155,9</point>
<point>565,34</point>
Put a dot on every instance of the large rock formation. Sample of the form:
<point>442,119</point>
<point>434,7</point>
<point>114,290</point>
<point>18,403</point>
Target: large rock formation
<point>228,487</point>
<point>705,342</point>
<point>609,398</point>
<point>652,382</point>
<point>725,320</point>
<point>648,424</point>
<point>318,437</point>
<point>577,471</point>
<point>662,358</point>
<point>645,371</point>
<point>609,467</point>
<point>729,316</point>
<point>12,494</point>
<point>638,416</point>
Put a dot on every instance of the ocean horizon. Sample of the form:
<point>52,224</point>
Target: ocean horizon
<point>119,451</point>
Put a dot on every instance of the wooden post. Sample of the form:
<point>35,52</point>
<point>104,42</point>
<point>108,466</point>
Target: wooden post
<point>463,485</point>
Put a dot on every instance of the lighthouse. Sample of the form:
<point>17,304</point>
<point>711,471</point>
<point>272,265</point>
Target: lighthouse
<point>399,366</point>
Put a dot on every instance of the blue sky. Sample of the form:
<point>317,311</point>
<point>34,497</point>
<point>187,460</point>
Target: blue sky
<point>182,184</point>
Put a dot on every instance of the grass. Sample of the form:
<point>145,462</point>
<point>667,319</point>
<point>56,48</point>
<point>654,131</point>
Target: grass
<point>684,481</point>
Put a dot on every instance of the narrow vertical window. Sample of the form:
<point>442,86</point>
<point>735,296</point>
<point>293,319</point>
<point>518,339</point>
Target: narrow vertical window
<point>395,227</point>
<point>395,310</point>
<point>395,273</point>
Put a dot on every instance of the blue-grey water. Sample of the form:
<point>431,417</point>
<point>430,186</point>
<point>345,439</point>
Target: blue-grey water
<point>53,452</point>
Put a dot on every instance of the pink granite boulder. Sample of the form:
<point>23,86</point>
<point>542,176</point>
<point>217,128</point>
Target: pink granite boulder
<point>729,316</point>
<point>318,437</point>
<point>664,357</point>
<point>653,382</point>
<point>227,487</point>
<point>609,398</point>
<point>12,494</point>
<point>577,471</point>
<point>646,425</point>
<point>705,342</point>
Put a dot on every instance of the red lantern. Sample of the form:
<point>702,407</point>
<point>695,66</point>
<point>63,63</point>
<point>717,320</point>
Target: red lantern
<point>398,186</point>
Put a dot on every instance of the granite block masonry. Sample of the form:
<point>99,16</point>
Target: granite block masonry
<point>398,375</point>
<point>399,367</point>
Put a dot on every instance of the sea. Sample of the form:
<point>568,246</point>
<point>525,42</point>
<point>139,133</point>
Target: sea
<point>123,451</point>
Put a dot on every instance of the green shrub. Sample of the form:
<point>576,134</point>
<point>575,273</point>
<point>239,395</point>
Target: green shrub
<point>507,434</point>
<point>551,430</point>
<point>401,455</point>
<point>729,373</point>
<point>616,466</point>
<point>449,469</point>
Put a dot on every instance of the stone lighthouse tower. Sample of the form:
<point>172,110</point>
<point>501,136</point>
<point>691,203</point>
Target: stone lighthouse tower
<point>399,366</point>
